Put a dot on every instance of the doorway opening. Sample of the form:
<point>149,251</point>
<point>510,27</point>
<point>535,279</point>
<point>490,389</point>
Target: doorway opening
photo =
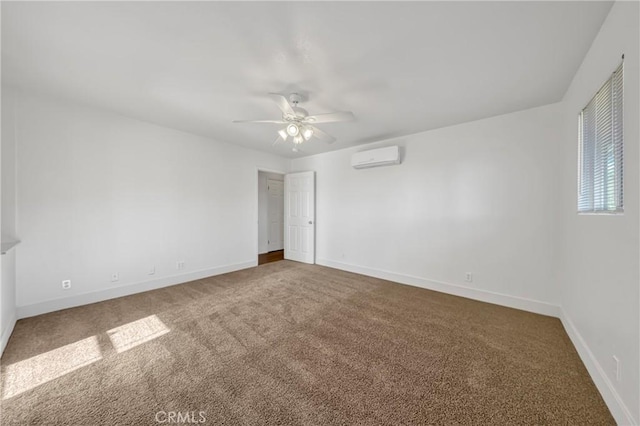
<point>270,217</point>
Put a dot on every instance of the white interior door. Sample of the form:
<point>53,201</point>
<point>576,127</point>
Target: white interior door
<point>275,214</point>
<point>299,218</point>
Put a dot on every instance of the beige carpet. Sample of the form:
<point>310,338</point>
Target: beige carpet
<point>287,343</point>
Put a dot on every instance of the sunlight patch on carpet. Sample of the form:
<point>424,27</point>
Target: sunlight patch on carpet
<point>35,371</point>
<point>136,333</point>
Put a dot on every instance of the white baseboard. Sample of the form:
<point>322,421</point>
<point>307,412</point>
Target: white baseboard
<point>616,405</point>
<point>125,290</point>
<point>618,409</point>
<point>521,303</point>
<point>6,333</point>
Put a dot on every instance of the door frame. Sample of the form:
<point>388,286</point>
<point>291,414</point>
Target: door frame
<point>270,219</point>
<point>256,249</point>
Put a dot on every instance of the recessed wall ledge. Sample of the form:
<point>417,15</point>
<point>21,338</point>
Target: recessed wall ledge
<point>8,245</point>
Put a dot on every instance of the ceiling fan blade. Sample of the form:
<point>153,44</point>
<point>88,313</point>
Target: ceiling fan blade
<point>260,121</point>
<point>283,103</point>
<point>323,136</point>
<point>277,141</point>
<point>331,117</point>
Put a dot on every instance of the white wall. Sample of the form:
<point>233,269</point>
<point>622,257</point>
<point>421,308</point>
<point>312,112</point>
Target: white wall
<point>8,297</point>
<point>599,273</point>
<point>7,221</point>
<point>479,197</point>
<point>263,209</point>
<point>100,193</point>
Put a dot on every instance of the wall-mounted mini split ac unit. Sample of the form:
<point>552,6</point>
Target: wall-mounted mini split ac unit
<point>376,158</point>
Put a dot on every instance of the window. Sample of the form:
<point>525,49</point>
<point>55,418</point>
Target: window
<point>600,149</point>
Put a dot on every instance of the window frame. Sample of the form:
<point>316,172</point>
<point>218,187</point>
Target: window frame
<point>600,183</point>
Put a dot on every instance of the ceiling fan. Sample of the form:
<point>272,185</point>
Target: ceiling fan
<point>298,124</point>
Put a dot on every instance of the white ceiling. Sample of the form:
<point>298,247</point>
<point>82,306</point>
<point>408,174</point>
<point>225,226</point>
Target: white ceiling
<point>401,68</point>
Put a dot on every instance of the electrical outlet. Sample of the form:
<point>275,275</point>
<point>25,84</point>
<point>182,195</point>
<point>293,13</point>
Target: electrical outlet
<point>66,284</point>
<point>468,277</point>
<point>180,264</point>
<point>115,277</point>
<point>616,366</point>
<point>152,270</point>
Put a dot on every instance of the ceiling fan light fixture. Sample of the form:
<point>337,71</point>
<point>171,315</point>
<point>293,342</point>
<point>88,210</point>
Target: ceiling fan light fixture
<point>298,139</point>
<point>293,130</point>
<point>307,132</point>
<point>283,134</point>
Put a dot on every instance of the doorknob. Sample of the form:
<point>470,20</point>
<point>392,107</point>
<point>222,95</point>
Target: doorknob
<point>310,222</point>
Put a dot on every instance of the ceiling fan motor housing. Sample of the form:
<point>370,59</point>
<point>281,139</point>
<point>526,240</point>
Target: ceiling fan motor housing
<point>300,112</point>
<point>295,98</point>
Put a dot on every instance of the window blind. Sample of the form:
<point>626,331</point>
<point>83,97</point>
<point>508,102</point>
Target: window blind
<point>600,171</point>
